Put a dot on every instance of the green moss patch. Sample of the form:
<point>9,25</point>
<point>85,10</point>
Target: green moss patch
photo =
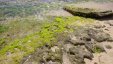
<point>14,51</point>
<point>3,28</point>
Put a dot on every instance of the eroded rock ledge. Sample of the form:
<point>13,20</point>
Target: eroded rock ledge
<point>84,10</point>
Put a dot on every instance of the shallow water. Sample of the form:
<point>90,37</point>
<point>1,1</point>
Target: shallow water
<point>12,8</point>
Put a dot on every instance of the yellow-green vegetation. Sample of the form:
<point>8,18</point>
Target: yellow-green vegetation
<point>16,28</point>
<point>3,28</point>
<point>97,49</point>
<point>15,50</point>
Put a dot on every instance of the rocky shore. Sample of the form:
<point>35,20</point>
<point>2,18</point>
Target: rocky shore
<point>64,40</point>
<point>91,44</point>
<point>79,47</point>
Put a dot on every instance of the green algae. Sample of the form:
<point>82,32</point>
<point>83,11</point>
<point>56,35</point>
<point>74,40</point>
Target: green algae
<point>17,49</point>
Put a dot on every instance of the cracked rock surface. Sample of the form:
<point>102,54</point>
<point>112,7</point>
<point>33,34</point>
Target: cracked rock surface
<point>79,45</point>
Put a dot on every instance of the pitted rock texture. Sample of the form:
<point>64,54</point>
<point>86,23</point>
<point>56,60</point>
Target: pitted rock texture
<point>73,49</point>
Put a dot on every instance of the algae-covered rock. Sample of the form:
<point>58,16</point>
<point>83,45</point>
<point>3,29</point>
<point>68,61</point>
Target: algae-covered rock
<point>87,12</point>
<point>44,56</point>
<point>98,48</point>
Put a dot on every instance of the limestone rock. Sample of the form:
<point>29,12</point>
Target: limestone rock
<point>89,47</point>
<point>109,22</point>
<point>45,56</point>
<point>98,48</point>
<point>93,48</point>
<point>87,12</point>
<point>77,55</point>
<point>67,47</point>
<point>108,47</point>
<point>76,41</point>
<point>99,35</point>
<point>79,37</point>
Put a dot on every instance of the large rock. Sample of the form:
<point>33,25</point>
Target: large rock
<point>44,55</point>
<point>99,35</point>
<point>86,11</point>
<point>77,55</point>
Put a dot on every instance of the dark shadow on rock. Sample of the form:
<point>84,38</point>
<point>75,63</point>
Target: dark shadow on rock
<point>106,18</point>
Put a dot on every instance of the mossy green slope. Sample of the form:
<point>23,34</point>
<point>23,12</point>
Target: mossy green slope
<point>13,52</point>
